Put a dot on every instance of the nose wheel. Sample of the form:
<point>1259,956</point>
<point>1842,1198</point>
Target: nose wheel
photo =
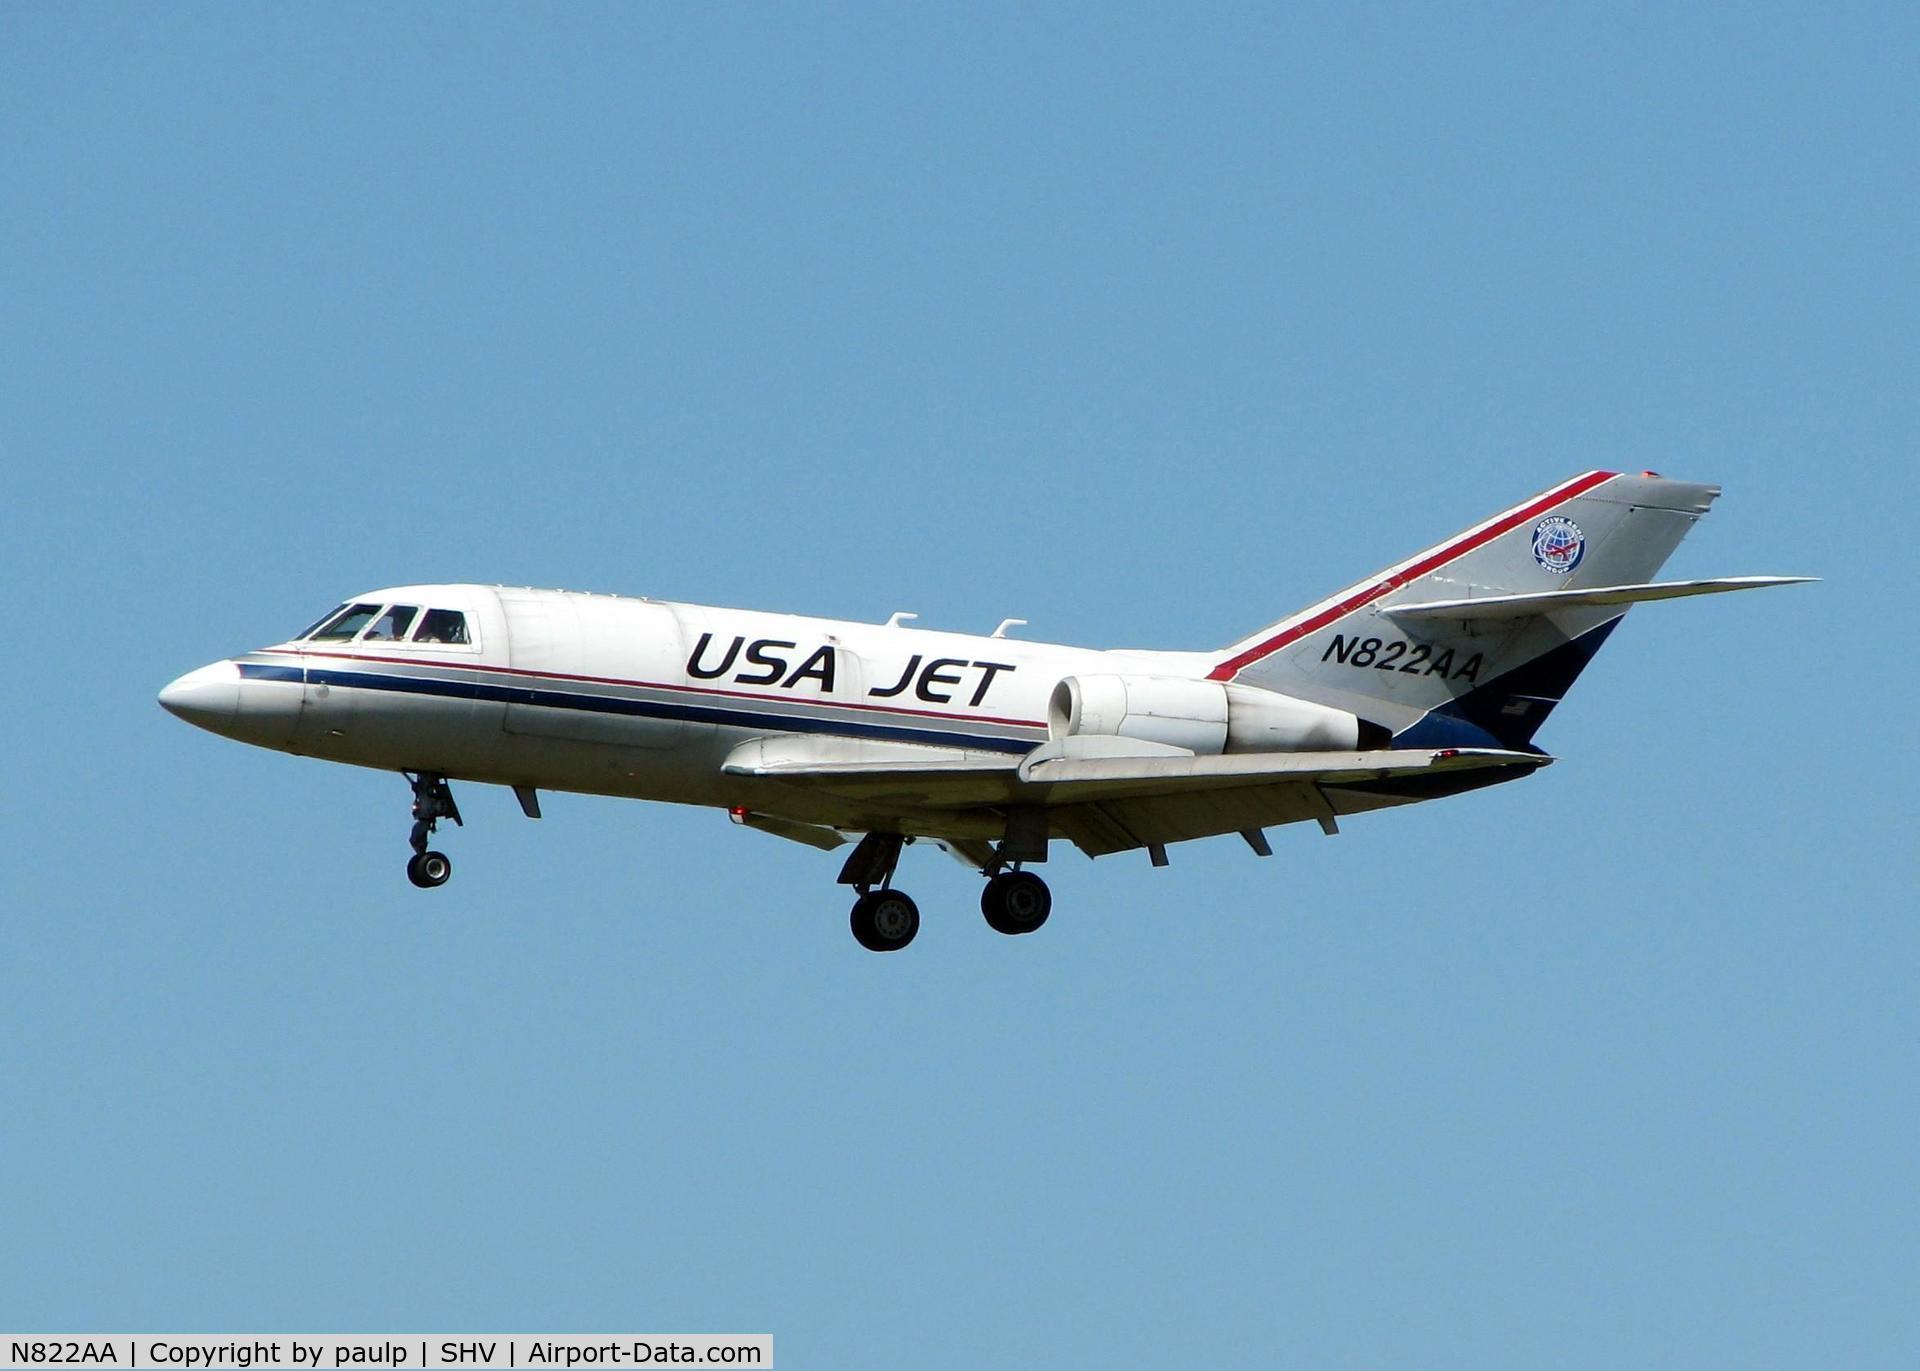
<point>432,802</point>
<point>429,869</point>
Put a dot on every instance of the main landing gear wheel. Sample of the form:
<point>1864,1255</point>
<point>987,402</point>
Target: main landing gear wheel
<point>429,869</point>
<point>1016,902</point>
<point>885,920</point>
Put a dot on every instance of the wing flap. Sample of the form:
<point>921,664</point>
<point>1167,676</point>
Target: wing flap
<point>1118,825</point>
<point>813,835</point>
<point>1547,601</point>
<point>1102,807</point>
<point>1069,780</point>
<point>1117,822</point>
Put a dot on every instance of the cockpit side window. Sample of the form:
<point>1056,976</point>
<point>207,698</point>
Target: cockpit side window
<point>393,625</point>
<point>343,625</point>
<point>442,626</point>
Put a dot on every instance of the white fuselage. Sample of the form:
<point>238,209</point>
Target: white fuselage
<point>611,695</point>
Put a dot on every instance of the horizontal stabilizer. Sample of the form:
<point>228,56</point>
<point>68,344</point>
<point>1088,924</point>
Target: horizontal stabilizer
<point>1547,601</point>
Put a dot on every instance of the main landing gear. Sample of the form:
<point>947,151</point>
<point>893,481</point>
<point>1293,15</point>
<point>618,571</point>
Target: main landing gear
<point>885,919</point>
<point>432,802</point>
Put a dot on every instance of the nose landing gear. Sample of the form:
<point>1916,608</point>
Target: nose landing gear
<point>429,869</point>
<point>432,802</point>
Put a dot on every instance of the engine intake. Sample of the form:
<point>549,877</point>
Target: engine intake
<point>1204,717</point>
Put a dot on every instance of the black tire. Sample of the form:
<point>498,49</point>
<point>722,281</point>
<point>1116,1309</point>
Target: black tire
<point>1016,902</point>
<point>429,869</point>
<point>884,920</point>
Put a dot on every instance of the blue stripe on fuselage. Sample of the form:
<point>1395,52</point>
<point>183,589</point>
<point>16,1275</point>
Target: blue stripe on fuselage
<point>726,716</point>
<point>251,671</point>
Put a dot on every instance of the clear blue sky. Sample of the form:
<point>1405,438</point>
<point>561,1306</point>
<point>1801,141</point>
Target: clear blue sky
<point>1147,327</point>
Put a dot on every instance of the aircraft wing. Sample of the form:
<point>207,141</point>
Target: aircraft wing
<point>1111,803</point>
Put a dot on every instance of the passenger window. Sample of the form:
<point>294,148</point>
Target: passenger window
<point>442,626</point>
<point>345,624</point>
<point>393,625</point>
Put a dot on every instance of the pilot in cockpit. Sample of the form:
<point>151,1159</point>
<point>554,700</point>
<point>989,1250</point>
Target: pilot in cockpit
<point>392,626</point>
<point>442,626</point>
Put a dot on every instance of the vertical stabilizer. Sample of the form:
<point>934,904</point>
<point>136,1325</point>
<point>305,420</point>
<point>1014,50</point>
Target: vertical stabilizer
<point>1485,681</point>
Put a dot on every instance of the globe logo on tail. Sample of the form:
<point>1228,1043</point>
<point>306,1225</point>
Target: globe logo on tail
<point>1558,544</point>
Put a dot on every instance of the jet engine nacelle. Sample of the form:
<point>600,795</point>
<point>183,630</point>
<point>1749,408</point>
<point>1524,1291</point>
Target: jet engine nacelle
<point>1204,717</point>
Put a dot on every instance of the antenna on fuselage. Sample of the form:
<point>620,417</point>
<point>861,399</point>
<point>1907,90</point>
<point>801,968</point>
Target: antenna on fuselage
<point>899,618</point>
<point>1006,624</point>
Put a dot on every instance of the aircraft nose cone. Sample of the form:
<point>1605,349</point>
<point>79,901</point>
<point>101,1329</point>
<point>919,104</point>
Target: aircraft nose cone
<point>209,697</point>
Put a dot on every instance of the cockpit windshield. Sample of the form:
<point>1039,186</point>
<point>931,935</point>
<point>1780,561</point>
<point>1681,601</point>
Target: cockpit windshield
<point>375,623</point>
<point>344,624</point>
<point>309,630</point>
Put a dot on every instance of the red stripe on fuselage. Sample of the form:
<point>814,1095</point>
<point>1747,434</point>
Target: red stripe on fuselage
<point>1439,557</point>
<point>654,685</point>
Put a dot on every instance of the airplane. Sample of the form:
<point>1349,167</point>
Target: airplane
<point>1425,680</point>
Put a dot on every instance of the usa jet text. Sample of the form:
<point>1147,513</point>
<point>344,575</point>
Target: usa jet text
<point>772,661</point>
